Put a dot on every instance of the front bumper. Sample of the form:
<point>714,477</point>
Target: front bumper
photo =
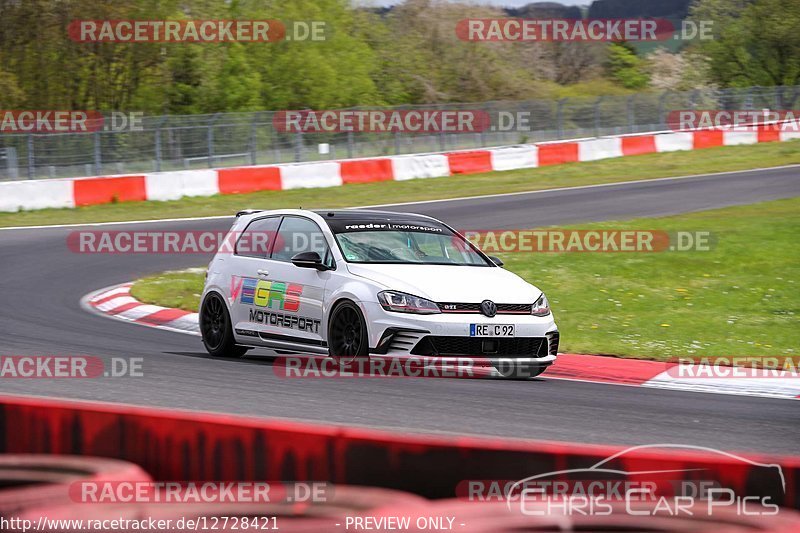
<point>447,336</point>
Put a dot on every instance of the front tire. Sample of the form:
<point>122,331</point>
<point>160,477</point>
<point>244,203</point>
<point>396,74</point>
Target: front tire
<point>348,340</point>
<point>216,329</point>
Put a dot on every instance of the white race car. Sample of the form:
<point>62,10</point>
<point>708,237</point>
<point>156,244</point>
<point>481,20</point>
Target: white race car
<point>356,284</point>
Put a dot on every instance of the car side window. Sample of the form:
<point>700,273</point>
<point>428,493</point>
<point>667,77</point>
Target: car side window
<point>257,238</point>
<point>296,235</point>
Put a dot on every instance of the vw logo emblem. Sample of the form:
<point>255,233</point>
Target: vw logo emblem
<point>488,308</point>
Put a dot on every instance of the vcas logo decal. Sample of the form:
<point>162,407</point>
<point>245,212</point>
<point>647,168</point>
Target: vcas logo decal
<point>271,294</point>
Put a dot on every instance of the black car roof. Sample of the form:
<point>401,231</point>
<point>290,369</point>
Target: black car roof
<point>371,214</point>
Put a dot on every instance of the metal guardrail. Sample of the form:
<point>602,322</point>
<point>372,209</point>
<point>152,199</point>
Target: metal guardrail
<point>176,142</point>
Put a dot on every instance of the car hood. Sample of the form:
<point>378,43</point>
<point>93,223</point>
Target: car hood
<point>447,283</point>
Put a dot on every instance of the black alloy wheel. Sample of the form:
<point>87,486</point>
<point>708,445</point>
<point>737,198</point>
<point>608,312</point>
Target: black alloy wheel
<point>215,327</point>
<point>347,334</point>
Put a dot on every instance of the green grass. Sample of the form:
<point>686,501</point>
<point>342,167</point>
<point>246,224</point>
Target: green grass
<point>739,298</point>
<point>181,289</point>
<point>648,166</point>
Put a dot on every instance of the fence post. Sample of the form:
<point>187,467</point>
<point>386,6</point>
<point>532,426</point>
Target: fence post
<point>597,116</point>
<point>30,156</point>
<point>397,143</point>
<point>253,141</point>
<point>210,140</point>
<point>298,147</point>
<point>483,127</point>
<point>350,144</point>
<point>560,117</point>
<point>662,119</point>
<point>13,164</point>
<point>631,115</point>
<point>98,161</point>
<point>748,99</point>
<point>158,149</point>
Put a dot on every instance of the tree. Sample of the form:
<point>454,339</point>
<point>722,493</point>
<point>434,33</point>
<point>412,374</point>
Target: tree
<point>683,71</point>
<point>755,43</point>
<point>236,85</point>
<point>625,67</point>
<point>11,96</point>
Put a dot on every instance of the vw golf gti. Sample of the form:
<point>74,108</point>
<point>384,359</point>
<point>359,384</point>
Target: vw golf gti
<point>357,283</point>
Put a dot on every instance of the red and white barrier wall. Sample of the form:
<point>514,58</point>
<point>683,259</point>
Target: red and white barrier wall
<point>78,192</point>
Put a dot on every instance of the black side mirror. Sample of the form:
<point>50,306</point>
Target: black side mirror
<point>309,260</point>
<point>496,260</point>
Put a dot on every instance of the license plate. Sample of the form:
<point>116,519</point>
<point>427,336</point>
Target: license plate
<point>491,330</point>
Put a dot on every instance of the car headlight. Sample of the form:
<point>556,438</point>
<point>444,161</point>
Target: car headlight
<point>401,302</point>
<point>541,307</point>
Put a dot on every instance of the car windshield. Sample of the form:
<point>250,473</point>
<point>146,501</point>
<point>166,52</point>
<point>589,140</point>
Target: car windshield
<point>404,243</point>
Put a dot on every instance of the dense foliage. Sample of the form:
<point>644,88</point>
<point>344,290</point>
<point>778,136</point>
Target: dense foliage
<point>406,54</point>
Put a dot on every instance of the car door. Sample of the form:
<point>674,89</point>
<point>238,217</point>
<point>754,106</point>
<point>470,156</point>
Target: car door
<point>288,300</point>
<point>248,268</point>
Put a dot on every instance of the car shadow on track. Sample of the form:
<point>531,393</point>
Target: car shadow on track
<point>265,360</point>
<point>313,366</point>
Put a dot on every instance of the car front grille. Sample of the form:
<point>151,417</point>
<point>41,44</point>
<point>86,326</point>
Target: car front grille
<point>502,309</point>
<point>403,341</point>
<point>439,345</point>
<point>554,338</point>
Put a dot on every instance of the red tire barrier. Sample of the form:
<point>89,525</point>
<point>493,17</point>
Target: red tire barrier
<point>558,153</point>
<point>37,480</point>
<point>470,162</point>
<point>109,190</point>
<point>366,170</point>
<point>638,145</point>
<point>768,134</point>
<point>708,139</point>
<point>248,179</point>
<point>188,446</point>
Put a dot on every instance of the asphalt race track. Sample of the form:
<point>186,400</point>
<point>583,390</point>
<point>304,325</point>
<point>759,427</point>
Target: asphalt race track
<point>42,282</point>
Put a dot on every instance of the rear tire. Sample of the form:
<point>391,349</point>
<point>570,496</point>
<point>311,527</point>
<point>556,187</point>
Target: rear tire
<point>348,340</point>
<point>215,327</point>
